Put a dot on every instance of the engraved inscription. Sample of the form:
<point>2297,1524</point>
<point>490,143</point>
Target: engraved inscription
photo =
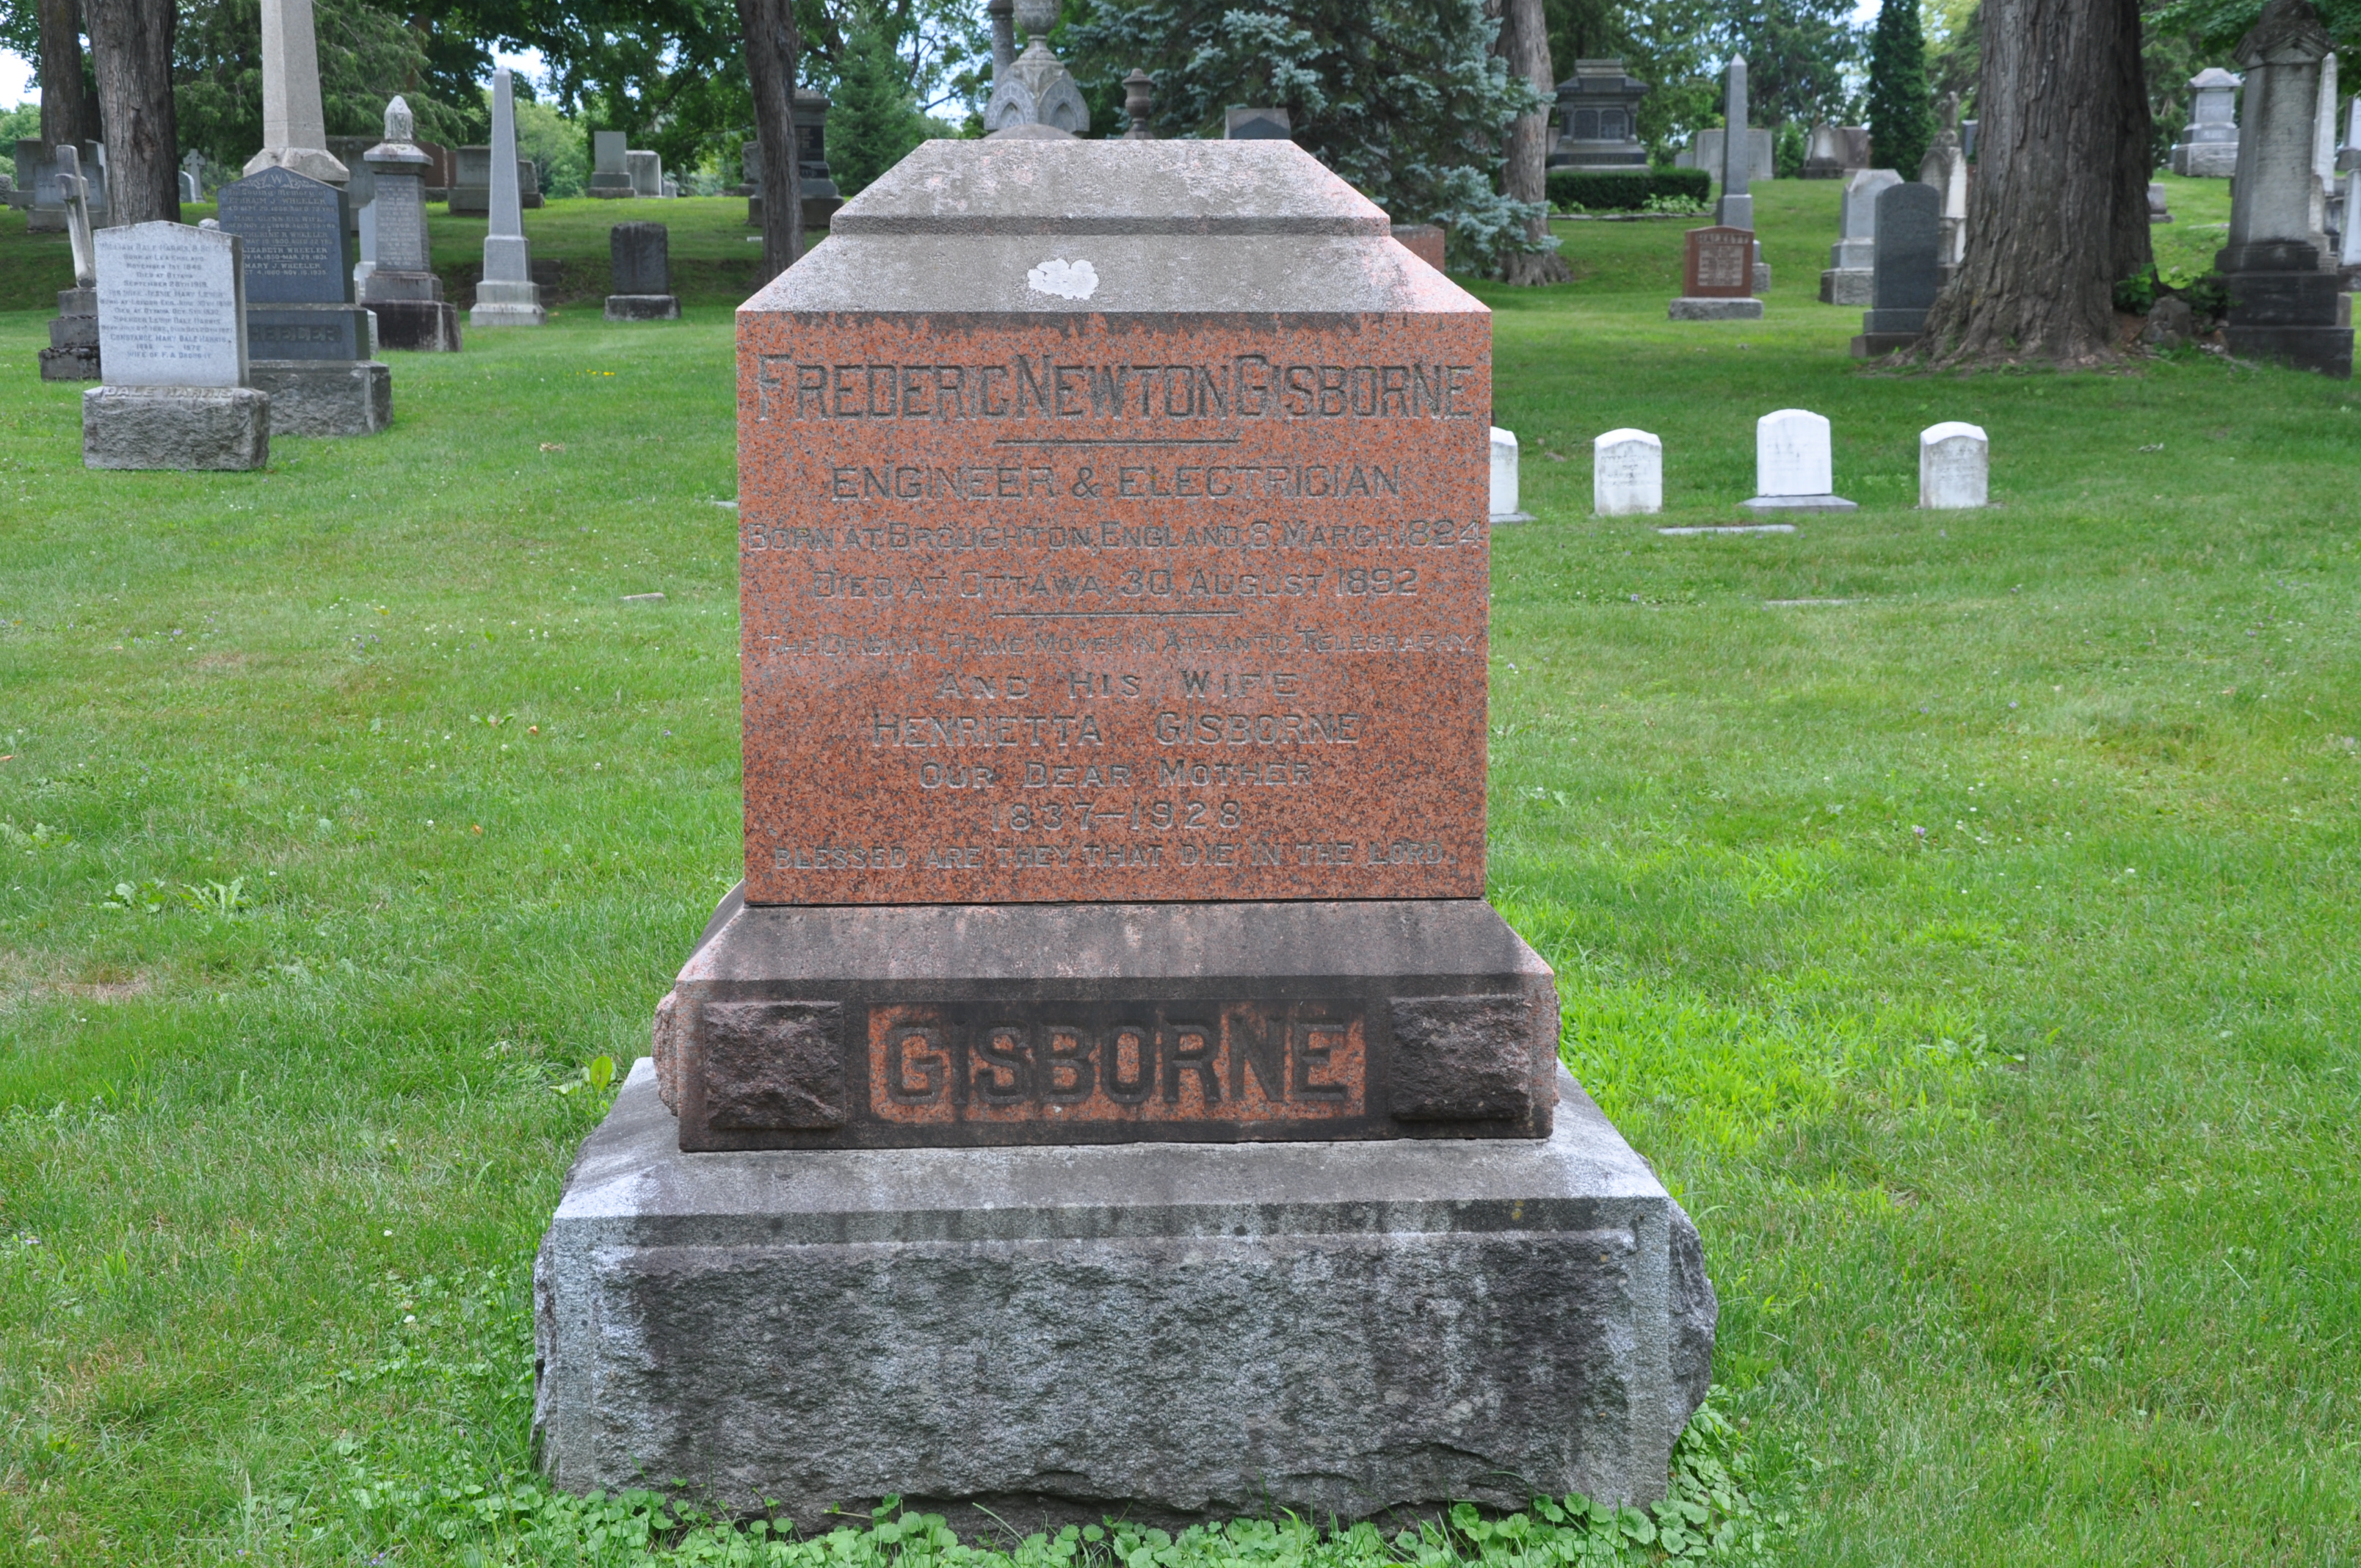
<point>1214,1062</point>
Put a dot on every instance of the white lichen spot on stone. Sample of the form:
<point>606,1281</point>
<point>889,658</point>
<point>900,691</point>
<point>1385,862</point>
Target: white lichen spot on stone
<point>1067,279</point>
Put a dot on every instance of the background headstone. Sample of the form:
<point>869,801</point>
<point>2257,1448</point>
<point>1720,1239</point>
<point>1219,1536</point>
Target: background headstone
<point>1849,279</point>
<point>1627,473</point>
<point>396,278</point>
<point>311,342</point>
<point>1954,466</point>
<point>2208,146</point>
<point>1736,208</point>
<point>1823,154</point>
<point>640,256</point>
<point>646,171</point>
<point>1599,118</point>
<point>610,176</point>
<point>2283,305</point>
<point>1718,274</point>
<point>74,352</point>
<point>1504,478</point>
<point>1909,257</point>
<point>171,326</point>
<point>1793,468</point>
<point>507,295</point>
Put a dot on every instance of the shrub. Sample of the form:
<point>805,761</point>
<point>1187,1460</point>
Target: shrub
<point>1627,189</point>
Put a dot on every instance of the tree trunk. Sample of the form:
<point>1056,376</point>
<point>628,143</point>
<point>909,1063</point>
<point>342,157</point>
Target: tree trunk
<point>131,45</point>
<point>1525,44</point>
<point>771,49</point>
<point>68,116</point>
<point>2058,214</point>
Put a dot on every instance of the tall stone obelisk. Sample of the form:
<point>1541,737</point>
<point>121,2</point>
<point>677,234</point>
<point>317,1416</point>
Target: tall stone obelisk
<point>1736,209</point>
<point>294,129</point>
<point>507,296</point>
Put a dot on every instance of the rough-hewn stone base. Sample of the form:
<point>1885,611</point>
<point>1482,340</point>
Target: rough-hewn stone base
<point>1690,309</point>
<point>326,397</point>
<point>175,427</point>
<point>77,363</point>
<point>643,308</point>
<point>1165,1331</point>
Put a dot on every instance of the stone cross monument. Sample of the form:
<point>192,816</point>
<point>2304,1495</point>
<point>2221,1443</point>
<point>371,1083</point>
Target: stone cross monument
<point>1112,983</point>
<point>507,296</point>
<point>2283,305</point>
<point>294,129</point>
<point>1736,209</point>
<point>72,352</point>
<point>1036,89</point>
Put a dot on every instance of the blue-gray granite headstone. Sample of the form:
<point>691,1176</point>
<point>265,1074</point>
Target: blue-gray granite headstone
<point>1909,248</point>
<point>640,255</point>
<point>293,230</point>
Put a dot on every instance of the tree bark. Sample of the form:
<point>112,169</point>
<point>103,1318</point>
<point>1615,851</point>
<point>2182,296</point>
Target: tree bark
<point>131,45</point>
<point>67,115</point>
<point>771,49</point>
<point>1525,44</point>
<point>2057,212</point>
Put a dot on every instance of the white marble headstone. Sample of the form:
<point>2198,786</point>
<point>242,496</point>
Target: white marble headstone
<point>1790,455</point>
<point>171,307</point>
<point>1504,472</point>
<point>1627,473</point>
<point>1954,465</point>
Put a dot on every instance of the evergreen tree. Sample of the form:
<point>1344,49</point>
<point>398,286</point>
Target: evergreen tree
<point>1901,103</point>
<point>872,123</point>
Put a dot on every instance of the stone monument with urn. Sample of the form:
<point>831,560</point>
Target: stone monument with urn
<point>1108,1089</point>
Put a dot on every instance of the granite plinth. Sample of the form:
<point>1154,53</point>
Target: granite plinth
<point>72,352</point>
<point>330,332</point>
<point>326,397</point>
<point>1715,310</point>
<point>1165,1331</point>
<point>175,427</point>
<point>1846,286</point>
<point>1113,527</point>
<point>426,326</point>
<point>505,302</point>
<point>1869,345</point>
<point>933,1025</point>
<point>2326,349</point>
<point>642,307</point>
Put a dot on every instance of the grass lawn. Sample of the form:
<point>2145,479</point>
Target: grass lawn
<point>1956,908</point>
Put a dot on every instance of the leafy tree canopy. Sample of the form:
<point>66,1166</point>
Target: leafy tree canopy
<point>1402,98</point>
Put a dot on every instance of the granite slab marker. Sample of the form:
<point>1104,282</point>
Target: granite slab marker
<point>639,259</point>
<point>1717,273</point>
<point>1627,473</point>
<point>1505,507</point>
<point>1111,971</point>
<point>310,343</point>
<point>172,328</point>
<point>1905,271</point>
<point>1849,279</point>
<point>1793,468</point>
<point>2208,148</point>
<point>1954,466</point>
<point>611,178</point>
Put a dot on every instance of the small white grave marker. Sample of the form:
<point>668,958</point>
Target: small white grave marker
<point>1792,468</point>
<point>1627,473</point>
<point>1504,477</point>
<point>1954,466</point>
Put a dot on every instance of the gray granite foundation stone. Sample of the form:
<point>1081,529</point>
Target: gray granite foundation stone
<point>1163,1331</point>
<point>175,427</point>
<point>1687,309</point>
<point>642,307</point>
<point>326,397</point>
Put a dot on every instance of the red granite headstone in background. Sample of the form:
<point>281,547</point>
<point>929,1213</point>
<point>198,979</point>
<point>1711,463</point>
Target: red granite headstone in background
<point>1718,264</point>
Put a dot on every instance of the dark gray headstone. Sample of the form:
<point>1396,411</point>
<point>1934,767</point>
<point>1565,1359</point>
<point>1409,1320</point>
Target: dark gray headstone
<point>640,255</point>
<point>293,231</point>
<point>1909,248</point>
